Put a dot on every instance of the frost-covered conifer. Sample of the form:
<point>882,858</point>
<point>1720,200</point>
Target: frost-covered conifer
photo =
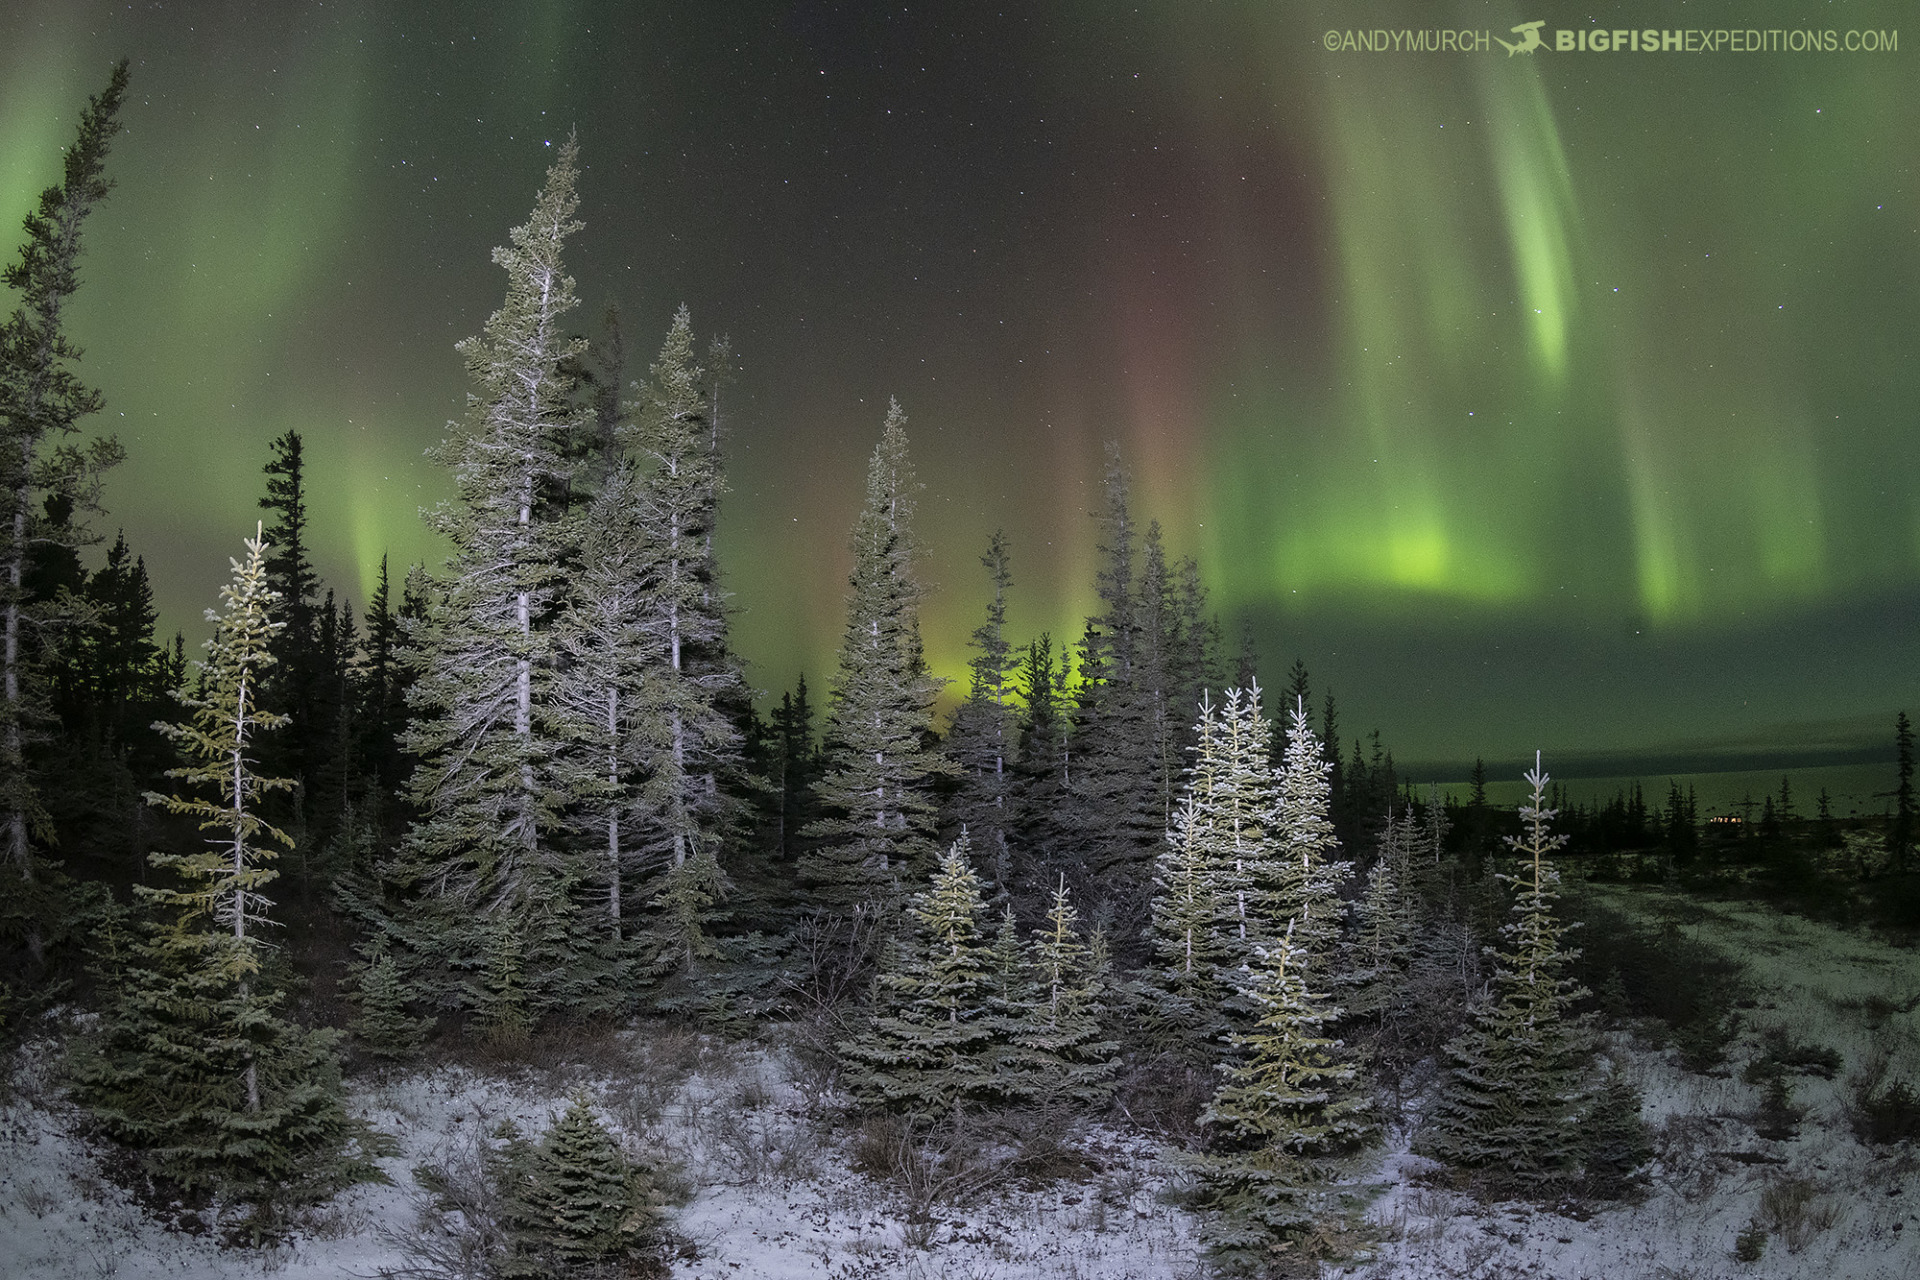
<point>1386,922</point>
<point>499,773</point>
<point>1061,1031</point>
<point>1307,878</point>
<point>880,815</point>
<point>1284,1123</point>
<point>575,1205</point>
<point>194,1065</point>
<point>930,1043</point>
<point>1240,807</point>
<point>1181,1003</point>
<point>1515,1089</point>
<point>690,745</point>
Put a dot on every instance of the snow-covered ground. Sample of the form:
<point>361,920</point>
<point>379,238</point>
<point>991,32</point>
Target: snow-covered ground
<point>776,1197</point>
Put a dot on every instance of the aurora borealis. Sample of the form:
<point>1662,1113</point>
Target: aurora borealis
<point>1561,399</point>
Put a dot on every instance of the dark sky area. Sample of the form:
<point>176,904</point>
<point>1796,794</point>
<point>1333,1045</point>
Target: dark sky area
<point>1556,399</point>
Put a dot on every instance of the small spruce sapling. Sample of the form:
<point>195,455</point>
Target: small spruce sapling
<point>382,1024</point>
<point>1515,1091</point>
<point>1284,1124</point>
<point>1062,1028</point>
<point>930,1043</point>
<point>575,1204</point>
<point>194,1065</point>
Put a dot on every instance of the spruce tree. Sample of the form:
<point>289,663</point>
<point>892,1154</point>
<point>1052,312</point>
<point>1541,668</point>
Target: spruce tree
<point>294,688</point>
<point>1061,1030</point>
<point>195,1065</point>
<point>611,667</point>
<point>1284,1124</point>
<point>1180,1004</point>
<point>1043,769</point>
<point>497,778</point>
<point>879,811</point>
<point>1118,812</point>
<point>1308,879</point>
<point>982,740</point>
<point>930,1043</point>
<point>1615,1145</point>
<point>381,1023</point>
<point>43,474</point>
<point>689,742</point>
<point>1386,922</point>
<point>1241,807</point>
<point>576,1206</point>
<point>1514,1089</point>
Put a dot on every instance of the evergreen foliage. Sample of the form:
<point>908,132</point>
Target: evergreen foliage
<point>608,656</point>
<point>1042,771</point>
<point>576,1206</point>
<point>982,740</point>
<point>1308,879</point>
<point>1241,802</point>
<point>382,1024</point>
<point>1616,1147</point>
<point>688,742</point>
<point>1386,920</point>
<point>1284,1123</point>
<point>45,479</point>
<point>1072,1058</point>
<point>1514,1091</point>
<point>497,780</point>
<point>195,1066</point>
<point>1180,1001</point>
<point>875,794</point>
<point>931,1043</point>
<point>1118,809</point>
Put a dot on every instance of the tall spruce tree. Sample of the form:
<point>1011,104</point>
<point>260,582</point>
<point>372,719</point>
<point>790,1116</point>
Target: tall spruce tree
<point>1515,1087</point>
<point>984,734</point>
<point>611,663</point>
<point>1283,1126</point>
<point>690,743</point>
<point>195,1066</point>
<point>1118,813</point>
<point>495,780</point>
<point>293,689</point>
<point>45,479</point>
<point>879,812</point>
<point>1043,769</point>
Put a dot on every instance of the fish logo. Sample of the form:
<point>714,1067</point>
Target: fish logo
<point>1529,33</point>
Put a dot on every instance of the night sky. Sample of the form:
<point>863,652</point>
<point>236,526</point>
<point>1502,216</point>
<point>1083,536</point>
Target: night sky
<point>1561,399</point>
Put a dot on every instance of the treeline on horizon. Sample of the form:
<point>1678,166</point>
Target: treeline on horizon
<point>531,787</point>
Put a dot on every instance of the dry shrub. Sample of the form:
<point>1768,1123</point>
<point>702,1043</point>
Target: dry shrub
<point>1042,1143</point>
<point>1792,1210</point>
<point>934,1166</point>
<point>1164,1095</point>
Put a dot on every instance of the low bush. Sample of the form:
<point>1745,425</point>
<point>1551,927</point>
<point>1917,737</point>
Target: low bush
<point>1882,1110</point>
